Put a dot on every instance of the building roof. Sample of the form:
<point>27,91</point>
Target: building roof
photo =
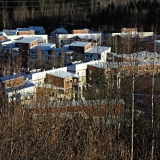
<point>44,46</point>
<point>139,55</point>
<point>97,49</point>
<point>27,40</point>
<point>89,36</point>
<point>23,86</point>
<point>100,65</point>
<point>63,74</point>
<point>10,77</point>
<point>10,32</point>
<point>37,28</point>
<point>23,29</point>
<point>79,44</point>
<point>59,31</point>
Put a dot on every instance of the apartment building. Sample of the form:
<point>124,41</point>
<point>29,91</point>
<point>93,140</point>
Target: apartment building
<point>63,39</point>
<point>129,30</point>
<point>68,81</point>
<point>25,31</point>
<point>11,81</point>
<point>1,38</point>
<point>97,53</point>
<point>85,52</point>
<point>137,56</point>
<point>45,50</point>
<point>24,46</point>
<point>81,31</point>
<point>38,29</point>
<point>87,108</point>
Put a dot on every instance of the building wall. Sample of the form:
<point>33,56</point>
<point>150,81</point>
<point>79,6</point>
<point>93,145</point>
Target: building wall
<point>13,82</point>
<point>129,30</point>
<point>1,38</point>
<point>88,47</point>
<point>80,31</point>
<point>26,32</point>
<point>44,94</point>
<point>87,110</point>
<point>144,69</point>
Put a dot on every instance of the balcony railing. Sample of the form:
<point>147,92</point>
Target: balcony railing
<point>77,83</point>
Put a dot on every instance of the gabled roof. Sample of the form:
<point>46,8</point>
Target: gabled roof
<point>59,31</point>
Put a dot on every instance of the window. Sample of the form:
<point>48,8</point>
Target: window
<point>91,56</point>
<point>67,82</point>
<point>146,69</point>
<point>99,56</point>
<point>90,78</point>
<point>9,85</point>
<point>90,71</point>
<point>31,96</point>
<point>52,93</point>
<point>50,52</point>
<point>70,81</point>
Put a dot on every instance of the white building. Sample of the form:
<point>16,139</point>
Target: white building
<point>97,53</point>
<point>21,93</point>
<point>45,48</point>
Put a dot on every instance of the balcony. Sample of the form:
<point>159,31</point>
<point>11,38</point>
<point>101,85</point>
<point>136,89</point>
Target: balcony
<point>60,96</point>
<point>77,83</point>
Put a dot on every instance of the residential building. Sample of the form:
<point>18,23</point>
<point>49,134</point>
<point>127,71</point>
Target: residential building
<point>63,39</point>
<point>136,57</point>
<point>81,31</point>
<point>88,108</point>
<point>11,81</point>
<point>24,47</point>
<point>38,29</point>
<point>69,82</point>
<point>129,30</point>
<point>97,53</point>
<point>46,49</point>
<point>25,31</point>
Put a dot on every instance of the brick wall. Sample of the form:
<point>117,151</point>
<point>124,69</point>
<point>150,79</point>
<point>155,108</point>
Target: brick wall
<point>13,82</point>
<point>25,32</point>
<point>80,31</point>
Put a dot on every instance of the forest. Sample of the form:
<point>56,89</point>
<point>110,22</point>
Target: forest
<point>105,15</point>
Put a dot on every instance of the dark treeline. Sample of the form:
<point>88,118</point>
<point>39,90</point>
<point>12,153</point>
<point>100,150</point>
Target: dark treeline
<point>108,16</point>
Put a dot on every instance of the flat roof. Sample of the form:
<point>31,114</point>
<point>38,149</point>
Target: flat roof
<point>97,49</point>
<point>23,29</point>
<point>79,44</point>
<point>100,65</point>
<point>23,86</point>
<point>27,40</point>
<point>89,36</point>
<point>63,74</point>
<point>10,77</point>
<point>139,55</point>
<point>44,46</point>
